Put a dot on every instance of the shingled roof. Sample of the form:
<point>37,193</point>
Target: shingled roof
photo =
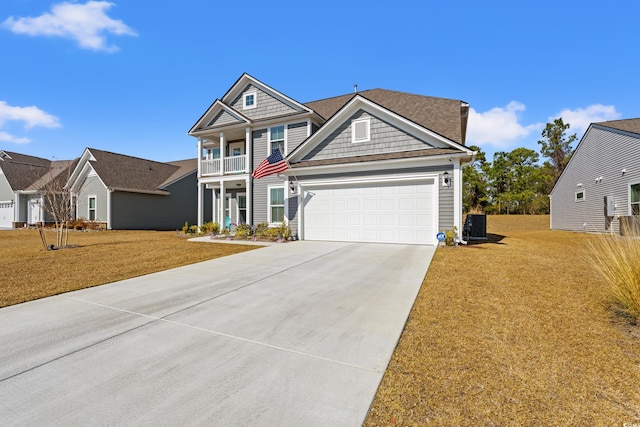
<point>126,173</point>
<point>25,172</point>
<point>627,125</point>
<point>446,117</point>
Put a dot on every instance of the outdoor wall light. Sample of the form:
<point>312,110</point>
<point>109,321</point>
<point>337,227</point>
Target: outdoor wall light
<point>446,182</point>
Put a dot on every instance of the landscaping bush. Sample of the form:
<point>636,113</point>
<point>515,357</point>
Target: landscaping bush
<point>243,231</point>
<point>210,227</point>
<point>618,260</point>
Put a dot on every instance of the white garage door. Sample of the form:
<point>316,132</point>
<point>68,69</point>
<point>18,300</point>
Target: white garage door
<point>6,215</point>
<point>400,212</point>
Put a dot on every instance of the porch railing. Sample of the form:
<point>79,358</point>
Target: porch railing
<point>233,164</point>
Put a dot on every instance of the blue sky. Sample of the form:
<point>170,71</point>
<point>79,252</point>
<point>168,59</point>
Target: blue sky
<point>132,77</point>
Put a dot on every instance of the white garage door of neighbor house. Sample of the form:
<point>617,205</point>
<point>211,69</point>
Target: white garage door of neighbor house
<point>399,212</point>
<point>6,215</point>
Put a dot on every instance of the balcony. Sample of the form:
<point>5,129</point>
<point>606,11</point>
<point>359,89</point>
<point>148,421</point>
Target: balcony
<point>232,165</point>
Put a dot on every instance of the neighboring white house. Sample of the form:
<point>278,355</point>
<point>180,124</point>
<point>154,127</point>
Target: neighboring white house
<point>371,166</point>
<point>600,187</point>
<point>22,179</point>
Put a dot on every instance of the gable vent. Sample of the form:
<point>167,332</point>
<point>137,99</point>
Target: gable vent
<point>360,129</point>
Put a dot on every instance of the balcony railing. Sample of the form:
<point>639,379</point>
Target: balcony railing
<point>232,165</point>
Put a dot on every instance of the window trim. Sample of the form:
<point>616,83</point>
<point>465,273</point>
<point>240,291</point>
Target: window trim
<point>244,100</point>
<point>95,207</point>
<point>284,140</point>
<point>579,199</point>
<point>270,206</point>
<point>238,208</point>
<point>630,211</point>
<point>354,122</point>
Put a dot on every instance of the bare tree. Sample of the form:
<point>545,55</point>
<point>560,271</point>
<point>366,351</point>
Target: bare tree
<point>57,199</point>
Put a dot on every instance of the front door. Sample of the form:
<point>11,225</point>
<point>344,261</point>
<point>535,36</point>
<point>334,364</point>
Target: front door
<point>34,211</point>
<point>236,148</point>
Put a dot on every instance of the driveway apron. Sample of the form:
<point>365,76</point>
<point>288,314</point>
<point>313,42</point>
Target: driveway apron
<point>288,335</point>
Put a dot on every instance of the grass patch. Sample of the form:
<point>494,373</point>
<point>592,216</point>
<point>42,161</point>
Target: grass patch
<point>518,331</point>
<point>28,272</point>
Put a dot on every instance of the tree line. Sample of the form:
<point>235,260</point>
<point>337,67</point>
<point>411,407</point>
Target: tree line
<point>516,182</point>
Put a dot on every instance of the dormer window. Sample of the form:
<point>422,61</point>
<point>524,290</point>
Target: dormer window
<point>361,130</point>
<point>249,101</point>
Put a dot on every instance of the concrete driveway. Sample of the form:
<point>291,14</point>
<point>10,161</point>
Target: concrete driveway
<point>295,334</point>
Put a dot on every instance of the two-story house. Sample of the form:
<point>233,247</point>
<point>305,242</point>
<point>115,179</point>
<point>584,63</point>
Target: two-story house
<point>370,166</point>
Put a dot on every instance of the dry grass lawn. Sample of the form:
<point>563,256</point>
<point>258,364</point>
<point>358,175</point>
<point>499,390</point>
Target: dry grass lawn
<point>519,331</point>
<point>29,272</point>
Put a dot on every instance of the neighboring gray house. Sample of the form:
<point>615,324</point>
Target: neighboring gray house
<point>371,166</point>
<point>22,180</point>
<point>125,192</point>
<point>600,187</point>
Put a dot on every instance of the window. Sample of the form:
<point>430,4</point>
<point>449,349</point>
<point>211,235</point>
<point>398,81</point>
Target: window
<point>634,199</point>
<point>249,101</point>
<point>360,130</point>
<point>276,139</point>
<point>580,196</point>
<point>276,205</point>
<point>92,208</point>
<point>242,208</point>
<point>213,153</point>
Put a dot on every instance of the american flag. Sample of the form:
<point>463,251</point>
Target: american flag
<point>275,163</point>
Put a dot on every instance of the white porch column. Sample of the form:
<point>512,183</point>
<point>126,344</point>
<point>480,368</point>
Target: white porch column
<point>221,153</point>
<point>457,196</point>
<point>200,204</point>
<point>249,184</point>
<point>221,205</point>
<point>16,207</point>
<point>199,157</point>
<point>109,192</point>
<point>248,151</point>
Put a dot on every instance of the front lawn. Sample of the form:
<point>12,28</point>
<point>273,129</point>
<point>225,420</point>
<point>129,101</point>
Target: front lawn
<point>518,331</point>
<point>28,272</point>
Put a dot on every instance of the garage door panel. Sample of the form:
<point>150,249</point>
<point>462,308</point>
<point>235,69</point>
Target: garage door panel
<point>401,212</point>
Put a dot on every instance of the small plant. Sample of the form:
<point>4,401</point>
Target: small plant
<point>450,236</point>
<point>284,231</point>
<point>185,227</point>
<point>210,227</point>
<point>194,230</point>
<point>261,230</point>
<point>243,231</point>
<point>616,258</point>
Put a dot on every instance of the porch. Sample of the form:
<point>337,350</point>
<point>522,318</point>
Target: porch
<point>230,202</point>
<point>225,153</point>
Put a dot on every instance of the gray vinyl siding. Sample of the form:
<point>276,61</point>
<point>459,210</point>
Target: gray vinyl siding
<point>261,186</point>
<point>602,152</point>
<point>296,134</point>
<point>384,138</point>
<point>6,193</point>
<point>266,105</point>
<point>138,211</point>
<point>92,186</point>
<point>223,118</point>
<point>445,194</point>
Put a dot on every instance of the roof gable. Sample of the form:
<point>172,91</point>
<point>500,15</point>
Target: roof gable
<point>22,171</point>
<point>446,117</point>
<point>126,173</point>
<point>218,114</point>
<point>390,132</point>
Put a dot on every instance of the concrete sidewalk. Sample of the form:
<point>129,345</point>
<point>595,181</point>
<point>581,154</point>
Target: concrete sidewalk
<point>290,334</point>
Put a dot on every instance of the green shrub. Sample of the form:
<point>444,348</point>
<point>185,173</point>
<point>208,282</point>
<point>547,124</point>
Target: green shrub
<point>185,227</point>
<point>618,261</point>
<point>194,230</point>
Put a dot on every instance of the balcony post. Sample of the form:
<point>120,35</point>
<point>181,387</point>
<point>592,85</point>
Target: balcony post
<point>199,157</point>
<point>221,153</point>
<point>221,205</point>
<point>247,149</point>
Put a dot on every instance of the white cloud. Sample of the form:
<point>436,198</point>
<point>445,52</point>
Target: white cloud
<point>499,127</point>
<point>581,118</point>
<point>86,23</point>
<point>7,137</point>
<point>30,116</point>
